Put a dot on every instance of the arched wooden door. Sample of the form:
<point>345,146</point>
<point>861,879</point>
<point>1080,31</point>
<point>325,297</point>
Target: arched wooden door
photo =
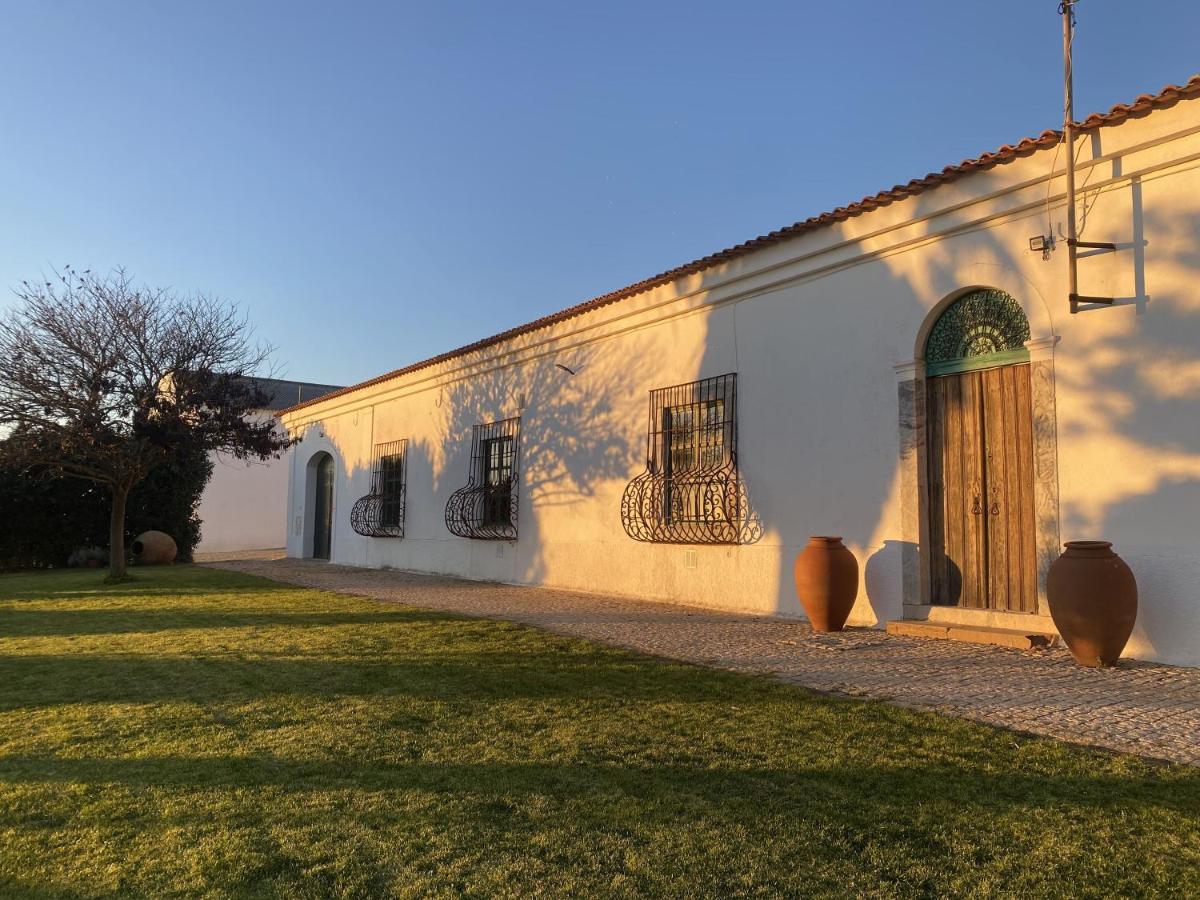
<point>323,509</point>
<point>979,422</point>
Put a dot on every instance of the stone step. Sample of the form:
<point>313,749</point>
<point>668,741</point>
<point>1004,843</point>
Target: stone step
<point>1019,639</point>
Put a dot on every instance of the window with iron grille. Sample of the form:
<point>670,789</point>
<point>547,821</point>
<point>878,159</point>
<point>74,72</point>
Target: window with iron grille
<point>486,507</point>
<point>497,476</point>
<point>381,512</point>
<point>691,491</point>
<point>694,442</point>
<point>390,472</point>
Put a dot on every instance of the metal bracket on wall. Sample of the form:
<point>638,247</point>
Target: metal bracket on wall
<point>1076,299</point>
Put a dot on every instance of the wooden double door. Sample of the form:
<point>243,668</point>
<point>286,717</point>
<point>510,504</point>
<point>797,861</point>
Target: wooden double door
<point>981,515</point>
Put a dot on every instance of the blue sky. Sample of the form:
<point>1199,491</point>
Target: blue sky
<point>380,182</point>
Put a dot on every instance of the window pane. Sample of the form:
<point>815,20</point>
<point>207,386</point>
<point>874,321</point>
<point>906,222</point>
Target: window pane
<point>391,488</point>
<point>694,438</point>
<point>497,461</point>
<point>497,478</point>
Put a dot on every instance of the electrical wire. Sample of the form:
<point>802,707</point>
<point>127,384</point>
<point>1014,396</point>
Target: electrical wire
<point>1050,183</point>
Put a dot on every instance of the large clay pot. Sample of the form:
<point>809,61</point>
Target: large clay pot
<point>1093,601</point>
<point>154,548</point>
<point>826,582</point>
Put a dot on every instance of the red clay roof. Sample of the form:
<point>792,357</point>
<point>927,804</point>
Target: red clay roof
<point>1145,103</point>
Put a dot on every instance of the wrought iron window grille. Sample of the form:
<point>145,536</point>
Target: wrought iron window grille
<point>486,508</point>
<point>381,512</point>
<point>691,491</point>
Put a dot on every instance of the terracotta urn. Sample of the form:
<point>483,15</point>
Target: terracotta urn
<point>826,582</point>
<point>1093,601</point>
<point>154,548</point>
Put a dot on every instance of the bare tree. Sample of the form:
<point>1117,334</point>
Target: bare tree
<point>104,380</point>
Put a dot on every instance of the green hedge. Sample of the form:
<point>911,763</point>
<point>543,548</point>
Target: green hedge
<point>43,518</point>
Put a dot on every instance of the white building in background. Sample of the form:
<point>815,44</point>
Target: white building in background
<point>244,504</point>
<point>902,371</point>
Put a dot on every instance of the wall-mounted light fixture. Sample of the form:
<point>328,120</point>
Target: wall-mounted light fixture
<point>1043,243</point>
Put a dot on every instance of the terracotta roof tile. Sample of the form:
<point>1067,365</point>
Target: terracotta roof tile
<point>1143,104</point>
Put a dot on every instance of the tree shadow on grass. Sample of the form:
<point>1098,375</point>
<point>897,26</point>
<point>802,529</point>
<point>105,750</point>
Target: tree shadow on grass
<point>832,788</point>
<point>41,623</point>
<point>430,669</point>
<point>134,590</point>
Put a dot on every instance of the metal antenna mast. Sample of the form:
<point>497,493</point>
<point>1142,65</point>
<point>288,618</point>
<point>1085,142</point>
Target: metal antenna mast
<point>1067,9</point>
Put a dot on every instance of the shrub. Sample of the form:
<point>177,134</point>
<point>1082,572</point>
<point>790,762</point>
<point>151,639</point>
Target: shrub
<point>85,555</point>
<point>48,519</point>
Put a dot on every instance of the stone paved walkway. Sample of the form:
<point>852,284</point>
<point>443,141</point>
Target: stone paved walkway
<point>1138,707</point>
<point>217,556</point>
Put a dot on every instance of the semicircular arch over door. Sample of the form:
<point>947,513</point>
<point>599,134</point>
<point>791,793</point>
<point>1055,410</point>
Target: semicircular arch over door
<point>979,434</point>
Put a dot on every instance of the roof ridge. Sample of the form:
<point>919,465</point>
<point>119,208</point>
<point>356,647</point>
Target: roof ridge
<point>1141,105</point>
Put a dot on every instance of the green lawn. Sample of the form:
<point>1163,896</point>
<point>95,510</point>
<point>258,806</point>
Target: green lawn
<point>198,732</point>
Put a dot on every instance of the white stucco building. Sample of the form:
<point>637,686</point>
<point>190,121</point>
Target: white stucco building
<point>244,504</point>
<point>905,373</point>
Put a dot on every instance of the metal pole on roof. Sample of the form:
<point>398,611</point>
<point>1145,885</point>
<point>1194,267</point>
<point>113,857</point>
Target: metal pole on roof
<point>1066,8</point>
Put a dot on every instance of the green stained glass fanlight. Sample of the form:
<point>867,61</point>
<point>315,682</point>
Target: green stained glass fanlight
<point>980,329</point>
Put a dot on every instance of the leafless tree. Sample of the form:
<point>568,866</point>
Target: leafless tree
<point>104,380</point>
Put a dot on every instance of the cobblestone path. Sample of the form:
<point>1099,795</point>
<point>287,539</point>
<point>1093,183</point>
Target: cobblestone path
<point>1137,707</point>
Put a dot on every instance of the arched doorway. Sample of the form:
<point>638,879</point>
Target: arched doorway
<point>320,501</point>
<point>979,440</point>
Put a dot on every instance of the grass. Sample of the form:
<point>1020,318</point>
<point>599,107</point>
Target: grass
<point>199,732</point>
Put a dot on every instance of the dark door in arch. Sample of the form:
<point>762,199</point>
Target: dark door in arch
<point>981,515</point>
<point>323,509</point>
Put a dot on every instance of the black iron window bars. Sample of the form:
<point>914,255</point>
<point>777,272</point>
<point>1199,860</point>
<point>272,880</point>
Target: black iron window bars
<point>486,508</point>
<point>691,491</point>
<point>381,512</point>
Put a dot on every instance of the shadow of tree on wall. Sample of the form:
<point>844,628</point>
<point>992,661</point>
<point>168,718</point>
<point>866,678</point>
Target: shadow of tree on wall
<point>1128,381</point>
<point>1134,416</point>
<point>578,441</point>
<point>1138,386</point>
<point>1126,378</point>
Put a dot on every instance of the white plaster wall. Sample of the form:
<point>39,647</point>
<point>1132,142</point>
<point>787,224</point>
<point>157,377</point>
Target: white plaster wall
<point>243,505</point>
<point>813,328</point>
